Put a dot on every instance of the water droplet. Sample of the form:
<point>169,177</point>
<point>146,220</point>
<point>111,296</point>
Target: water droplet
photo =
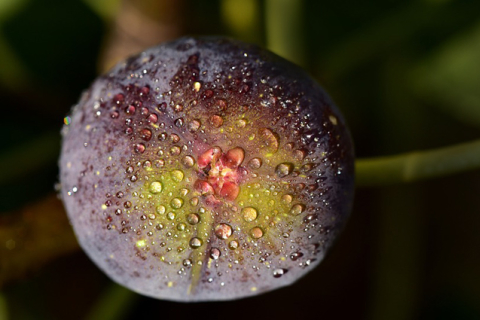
<point>188,161</point>
<point>299,154</point>
<point>130,109</point>
<point>307,167</point>
<point>196,86</point>
<point>216,121</point>
<point>255,163</point>
<point>162,136</point>
<point>146,134</point>
<point>179,122</point>
<point>195,243</point>
<point>160,209</point>
<point>176,203</point>
<point>333,119</point>
<point>155,187</point>
<point>181,226</point>
<point>175,150</point>
<point>215,253</point>
<point>193,218</point>
<point>194,125</point>
<point>277,273</point>
<point>152,118</point>
<point>223,231</point>
<point>284,169</point>
<point>249,214</point>
<point>177,175</point>
<point>194,201</point>
<point>269,140</point>
<point>256,233</point>
<point>127,204</point>
<point>159,163</point>
<point>241,123</point>
<point>171,216</point>
<point>297,209</point>
<point>296,255</point>
<point>287,198</point>
<point>232,245</point>
<point>139,148</point>
<point>187,263</point>
<point>174,137</point>
<point>118,98</point>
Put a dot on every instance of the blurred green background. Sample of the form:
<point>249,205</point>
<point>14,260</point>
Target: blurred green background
<point>406,75</point>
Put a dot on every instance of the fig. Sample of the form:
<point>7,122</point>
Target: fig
<point>206,169</point>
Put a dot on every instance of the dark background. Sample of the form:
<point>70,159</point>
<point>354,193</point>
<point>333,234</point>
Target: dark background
<point>406,75</point>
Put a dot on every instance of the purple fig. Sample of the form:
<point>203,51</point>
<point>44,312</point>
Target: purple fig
<point>206,169</point>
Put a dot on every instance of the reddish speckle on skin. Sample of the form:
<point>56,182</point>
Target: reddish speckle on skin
<point>208,157</point>
<point>233,158</point>
<point>222,171</point>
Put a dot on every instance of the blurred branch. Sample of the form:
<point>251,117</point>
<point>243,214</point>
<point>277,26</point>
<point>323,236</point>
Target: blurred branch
<point>418,165</point>
<point>119,301</point>
<point>32,236</point>
<point>3,307</point>
<point>107,9</point>
<point>242,18</point>
<point>392,31</point>
<point>284,21</point>
<point>140,24</point>
<point>29,157</point>
<point>449,79</point>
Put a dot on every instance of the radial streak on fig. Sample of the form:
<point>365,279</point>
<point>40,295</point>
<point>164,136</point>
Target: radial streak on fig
<point>206,226</point>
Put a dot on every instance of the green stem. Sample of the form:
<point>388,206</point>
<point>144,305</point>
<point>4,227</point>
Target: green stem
<point>284,29</point>
<point>416,166</point>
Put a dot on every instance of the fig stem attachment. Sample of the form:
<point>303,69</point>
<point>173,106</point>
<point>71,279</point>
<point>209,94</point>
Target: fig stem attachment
<point>420,165</point>
<point>283,23</point>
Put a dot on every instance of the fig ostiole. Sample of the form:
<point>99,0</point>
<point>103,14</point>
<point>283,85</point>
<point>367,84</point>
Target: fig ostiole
<point>206,169</point>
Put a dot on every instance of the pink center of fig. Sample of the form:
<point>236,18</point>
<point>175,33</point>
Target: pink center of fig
<point>220,174</point>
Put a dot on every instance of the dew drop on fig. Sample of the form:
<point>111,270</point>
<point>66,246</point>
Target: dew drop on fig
<point>188,161</point>
<point>196,243</point>
<point>249,214</point>
<point>176,203</point>
<point>156,187</point>
<point>139,148</point>
<point>255,163</point>
<point>297,209</point>
<point>223,231</point>
<point>215,253</point>
<point>177,175</point>
<point>193,218</point>
<point>232,245</point>
<point>160,209</point>
<point>256,233</point>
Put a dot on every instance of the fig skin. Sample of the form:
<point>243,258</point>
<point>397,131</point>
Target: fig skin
<point>206,169</point>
